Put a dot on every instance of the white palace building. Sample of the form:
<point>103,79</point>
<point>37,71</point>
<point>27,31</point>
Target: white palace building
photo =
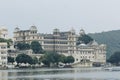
<point>3,47</point>
<point>64,43</point>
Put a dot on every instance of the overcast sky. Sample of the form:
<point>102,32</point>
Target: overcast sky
<point>91,15</point>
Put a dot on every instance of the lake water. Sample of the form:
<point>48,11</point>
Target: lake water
<point>59,74</point>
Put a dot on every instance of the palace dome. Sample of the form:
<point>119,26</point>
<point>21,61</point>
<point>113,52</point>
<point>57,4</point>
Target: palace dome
<point>17,29</point>
<point>102,45</point>
<point>32,28</point>
<point>72,30</point>
<point>3,28</point>
<point>94,43</point>
<point>82,32</point>
<point>82,44</point>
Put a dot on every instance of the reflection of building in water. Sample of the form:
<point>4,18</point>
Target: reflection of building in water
<point>64,43</point>
<point>4,75</point>
<point>3,54</point>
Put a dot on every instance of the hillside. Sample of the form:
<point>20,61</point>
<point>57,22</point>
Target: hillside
<point>110,38</point>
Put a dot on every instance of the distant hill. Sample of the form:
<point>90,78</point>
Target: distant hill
<point>110,38</point>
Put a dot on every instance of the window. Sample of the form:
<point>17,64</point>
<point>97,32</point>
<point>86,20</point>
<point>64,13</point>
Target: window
<point>89,56</point>
<point>3,47</point>
<point>76,59</point>
<point>4,35</point>
<point>3,52</point>
<point>3,57</point>
<point>4,63</point>
<point>89,51</point>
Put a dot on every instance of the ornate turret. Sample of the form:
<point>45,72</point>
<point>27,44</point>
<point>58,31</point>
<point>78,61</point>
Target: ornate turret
<point>56,31</point>
<point>16,29</point>
<point>94,43</point>
<point>82,32</point>
<point>3,32</point>
<point>3,28</point>
<point>72,31</point>
<point>33,28</point>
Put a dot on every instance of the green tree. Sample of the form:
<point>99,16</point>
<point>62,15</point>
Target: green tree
<point>8,41</point>
<point>23,46</point>
<point>39,60</point>
<point>36,47</point>
<point>115,58</point>
<point>54,58</point>
<point>27,46</point>
<point>84,39</point>
<point>70,59</point>
<point>35,60</point>
<point>19,46</point>
<point>11,60</point>
<point>63,59</point>
<point>2,40</point>
<point>23,58</point>
<point>45,61</point>
<point>51,58</point>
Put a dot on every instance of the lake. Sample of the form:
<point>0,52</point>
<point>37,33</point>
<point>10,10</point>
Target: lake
<point>59,74</point>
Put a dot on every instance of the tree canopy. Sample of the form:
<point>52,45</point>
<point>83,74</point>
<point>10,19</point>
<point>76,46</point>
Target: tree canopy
<point>23,58</point>
<point>51,57</point>
<point>10,60</point>
<point>54,58</point>
<point>63,59</point>
<point>35,60</point>
<point>23,46</point>
<point>110,38</point>
<point>70,59</point>
<point>84,39</point>
<point>36,47</point>
<point>8,41</point>
<point>115,58</point>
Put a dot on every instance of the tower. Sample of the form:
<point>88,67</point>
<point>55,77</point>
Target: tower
<point>3,32</point>
<point>82,32</point>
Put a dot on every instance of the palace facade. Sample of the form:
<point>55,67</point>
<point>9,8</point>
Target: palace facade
<point>63,43</point>
<point>3,47</point>
<point>3,55</point>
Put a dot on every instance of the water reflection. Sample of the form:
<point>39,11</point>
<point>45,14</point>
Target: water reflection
<point>3,75</point>
<point>59,74</point>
